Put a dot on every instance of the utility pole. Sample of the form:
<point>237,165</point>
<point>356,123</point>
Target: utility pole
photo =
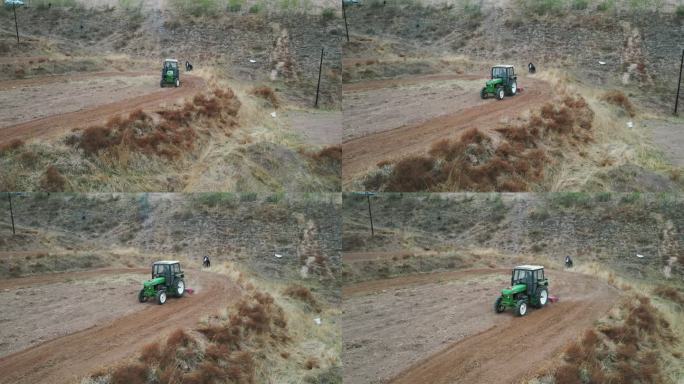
<point>370,213</point>
<point>318,88</point>
<point>9,197</point>
<point>16,26</point>
<point>679,83</point>
<point>344,13</point>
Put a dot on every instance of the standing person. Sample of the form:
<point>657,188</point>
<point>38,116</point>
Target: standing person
<point>531,68</point>
<point>206,262</point>
<point>568,261</point>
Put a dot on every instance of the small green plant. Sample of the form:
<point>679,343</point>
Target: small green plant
<point>605,5</point>
<point>472,9</point>
<point>328,14</point>
<point>580,5</point>
<point>679,11</point>
<point>235,5</point>
<point>254,9</point>
<point>543,7</point>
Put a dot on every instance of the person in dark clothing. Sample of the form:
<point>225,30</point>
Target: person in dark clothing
<point>188,66</point>
<point>206,262</point>
<point>531,68</point>
<point>568,261</point>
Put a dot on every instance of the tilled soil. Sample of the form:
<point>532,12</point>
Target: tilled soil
<point>444,329</point>
<point>393,119</point>
<point>321,128</point>
<point>91,99</point>
<point>98,327</point>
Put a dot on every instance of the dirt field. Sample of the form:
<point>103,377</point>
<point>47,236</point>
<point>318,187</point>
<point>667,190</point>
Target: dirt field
<point>324,128</point>
<point>390,119</point>
<point>67,103</point>
<point>101,321</point>
<point>441,328</point>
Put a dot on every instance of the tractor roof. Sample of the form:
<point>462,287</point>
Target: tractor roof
<point>167,262</point>
<point>503,66</point>
<point>171,60</point>
<point>529,267</point>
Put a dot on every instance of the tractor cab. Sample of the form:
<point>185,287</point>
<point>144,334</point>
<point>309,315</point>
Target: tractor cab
<point>170,73</point>
<point>167,278</point>
<point>503,72</point>
<point>529,275</point>
<point>529,286</point>
<point>502,82</point>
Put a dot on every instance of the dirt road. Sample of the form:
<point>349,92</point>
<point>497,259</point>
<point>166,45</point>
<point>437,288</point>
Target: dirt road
<point>391,119</point>
<point>441,328</point>
<point>79,108</point>
<point>66,359</point>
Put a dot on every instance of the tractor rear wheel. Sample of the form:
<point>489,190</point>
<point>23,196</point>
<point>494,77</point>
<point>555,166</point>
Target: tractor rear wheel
<point>161,296</point>
<point>514,89</point>
<point>498,307</point>
<point>500,93</point>
<point>141,296</point>
<point>542,297</point>
<point>483,93</point>
<point>180,288</point>
<point>521,308</point>
<point>161,83</point>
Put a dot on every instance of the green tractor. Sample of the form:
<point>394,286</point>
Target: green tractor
<point>528,287</point>
<point>170,73</point>
<point>504,82</point>
<point>167,279</point>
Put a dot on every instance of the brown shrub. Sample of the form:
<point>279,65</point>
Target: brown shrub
<point>590,339</point>
<point>669,293</point>
<point>130,374</point>
<point>618,98</point>
<point>413,174</point>
<point>620,334</point>
<point>52,180</point>
<point>574,353</point>
<point>626,351</point>
<point>331,154</point>
<point>311,363</point>
<point>596,375</point>
<point>179,338</point>
<point>11,145</point>
<point>95,139</point>
<point>267,93</point>
<point>302,293</point>
<point>151,353</point>
<point>626,373</point>
<point>567,374</point>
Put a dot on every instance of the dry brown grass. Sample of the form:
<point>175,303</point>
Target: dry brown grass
<point>567,374</point>
<point>11,145</point>
<point>311,363</point>
<point>151,353</point>
<point>52,180</point>
<point>304,294</point>
<point>267,93</point>
<point>669,293</point>
<point>130,374</point>
<point>618,98</point>
<point>171,136</point>
<point>473,162</point>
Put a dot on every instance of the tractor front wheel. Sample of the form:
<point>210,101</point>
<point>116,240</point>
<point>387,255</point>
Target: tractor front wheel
<point>180,288</point>
<point>521,308</point>
<point>161,296</point>
<point>498,307</point>
<point>141,296</point>
<point>542,297</point>
<point>161,83</point>
<point>177,83</point>
<point>500,93</point>
<point>483,93</point>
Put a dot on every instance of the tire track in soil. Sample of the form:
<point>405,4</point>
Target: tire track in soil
<point>480,346</point>
<point>51,126</point>
<point>67,359</point>
<point>361,154</point>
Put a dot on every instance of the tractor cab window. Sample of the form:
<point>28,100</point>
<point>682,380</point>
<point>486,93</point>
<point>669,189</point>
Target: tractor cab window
<point>159,269</point>
<point>176,268</point>
<point>519,276</point>
<point>539,274</point>
<point>498,72</point>
<point>171,64</point>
